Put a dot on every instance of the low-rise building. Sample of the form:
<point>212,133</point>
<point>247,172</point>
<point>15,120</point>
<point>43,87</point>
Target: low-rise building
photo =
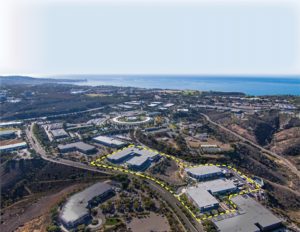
<point>55,126</point>
<point>13,147</point>
<point>210,148</point>
<point>202,199</point>
<point>202,136</point>
<point>219,186</point>
<point>59,133</point>
<point>76,210</point>
<point>253,217</point>
<point>109,141</point>
<point>11,124</point>
<point>135,158</point>
<point>168,105</point>
<point>7,134</point>
<point>77,146</point>
<point>204,172</point>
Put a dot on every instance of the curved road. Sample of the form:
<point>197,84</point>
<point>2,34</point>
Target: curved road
<point>291,166</point>
<point>166,195</point>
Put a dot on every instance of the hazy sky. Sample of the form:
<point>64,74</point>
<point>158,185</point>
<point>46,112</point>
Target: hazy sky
<point>46,37</point>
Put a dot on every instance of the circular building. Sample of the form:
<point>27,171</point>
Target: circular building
<point>135,120</point>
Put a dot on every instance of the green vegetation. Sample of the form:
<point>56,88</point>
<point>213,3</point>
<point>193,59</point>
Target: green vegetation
<point>39,176</point>
<point>41,136</point>
<point>161,167</point>
<point>209,226</point>
<point>112,221</point>
<point>53,228</point>
<point>123,179</point>
<point>190,205</point>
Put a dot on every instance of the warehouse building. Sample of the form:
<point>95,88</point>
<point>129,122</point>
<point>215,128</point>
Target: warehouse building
<point>135,158</point>
<point>78,146</point>
<point>202,199</point>
<point>253,217</point>
<point>76,210</point>
<point>55,126</point>
<point>210,148</point>
<point>204,172</point>
<point>11,124</point>
<point>109,141</point>
<point>139,163</point>
<point>59,133</point>
<point>219,186</point>
<point>7,134</point>
<point>13,147</point>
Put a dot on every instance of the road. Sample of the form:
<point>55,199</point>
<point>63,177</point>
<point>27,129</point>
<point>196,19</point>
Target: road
<point>168,197</point>
<point>40,150</point>
<point>264,151</point>
<point>64,114</point>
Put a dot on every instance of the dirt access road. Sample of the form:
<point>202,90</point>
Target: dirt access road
<point>24,211</point>
<point>264,151</point>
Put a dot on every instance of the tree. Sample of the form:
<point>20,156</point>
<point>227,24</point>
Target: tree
<point>81,228</point>
<point>53,228</point>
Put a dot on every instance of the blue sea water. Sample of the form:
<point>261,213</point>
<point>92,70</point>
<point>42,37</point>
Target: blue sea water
<point>250,85</point>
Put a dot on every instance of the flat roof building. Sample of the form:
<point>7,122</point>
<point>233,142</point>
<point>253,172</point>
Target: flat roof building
<point>204,172</point>
<point>78,146</point>
<point>210,148</point>
<point>168,105</point>
<point>202,199</point>
<point>59,133</point>
<point>139,162</point>
<point>7,134</point>
<point>76,210</point>
<point>11,123</point>
<point>219,186</point>
<point>109,141</point>
<point>135,158</point>
<point>12,147</point>
<point>253,217</point>
<point>55,126</point>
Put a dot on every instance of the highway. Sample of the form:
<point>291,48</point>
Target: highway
<point>63,115</point>
<point>168,197</point>
<point>264,151</point>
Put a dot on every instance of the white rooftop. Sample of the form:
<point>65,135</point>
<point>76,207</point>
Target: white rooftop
<point>76,205</point>
<point>59,132</point>
<point>219,185</point>
<point>11,123</point>
<point>138,160</point>
<point>134,151</point>
<point>203,170</point>
<point>251,213</point>
<point>168,105</point>
<point>109,140</point>
<point>78,145</point>
<point>10,146</point>
<point>201,197</point>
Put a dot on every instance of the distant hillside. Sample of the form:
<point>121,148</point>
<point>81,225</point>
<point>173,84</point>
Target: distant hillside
<point>11,80</point>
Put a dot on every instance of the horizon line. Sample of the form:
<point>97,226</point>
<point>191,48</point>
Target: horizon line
<point>160,75</point>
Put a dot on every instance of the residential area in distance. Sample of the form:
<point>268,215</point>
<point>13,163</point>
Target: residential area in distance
<point>107,158</point>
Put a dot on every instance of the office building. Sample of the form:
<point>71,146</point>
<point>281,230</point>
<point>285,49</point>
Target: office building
<point>204,172</point>
<point>109,141</point>
<point>76,210</point>
<point>253,217</point>
<point>78,146</point>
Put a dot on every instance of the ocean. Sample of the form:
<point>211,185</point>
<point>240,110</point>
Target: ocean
<point>257,86</point>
